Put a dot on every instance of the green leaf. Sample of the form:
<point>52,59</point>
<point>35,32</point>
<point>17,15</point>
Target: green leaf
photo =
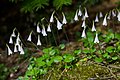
<point>110,49</point>
<point>62,46</point>
<point>99,60</point>
<point>40,63</point>
<point>77,52</point>
<point>114,58</point>
<point>106,55</point>
<point>86,51</point>
<point>49,62</point>
<point>59,3</point>
<point>68,58</point>
<point>52,52</point>
<point>58,58</point>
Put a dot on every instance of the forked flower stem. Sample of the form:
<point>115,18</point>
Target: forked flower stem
<point>66,34</point>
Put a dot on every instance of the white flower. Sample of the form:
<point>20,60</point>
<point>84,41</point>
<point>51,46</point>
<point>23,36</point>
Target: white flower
<point>43,31</point>
<point>83,17</point>
<point>105,21</point>
<point>52,18</point>
<point>118,16</point>
<point>22,50</point>
<point>76,16</point>
<point>15,48</point>
<point>11,40</point>
<point>86,13</point>
<point>38,28</point>
<point>83,24</point>
<point>109,15</point>
<point>100,15</point>
<point>19,47</point>
<point>29,38</point>
<point>48,28</point>
<point>93,27</point>
<point>13,34</point>
<point>79,12</point>
<point>64,19</point>
<point>39,42</point>
<point>59,25</point>
<point>96,19</point>
<point>113,13</point>
<point>96,39</point>
<point>83,34</point>
<point>18,39</point>
<point>9,50</point>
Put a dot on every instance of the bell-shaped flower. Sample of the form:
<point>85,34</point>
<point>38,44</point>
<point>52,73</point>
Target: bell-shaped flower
<point>100,15</point>
<point>11,40</point>
<point>29,37</point>
<point>38,28</point>
<point>105,21</point>
<point>83,34</point>
<point>96,39</point>
<point>52,18</point>
<point>48,28</point>
<point>113,13</point>
<point>96,18</point>
<point>109,15</point>
<point>79,12</point>
<point>118,16</point>
<point>83,18</point>
<point>22,50</point>
<point>64,19</point>
<point>15,48</point>
<point>18,39</point>
<point>86,13</point>
<point>76,16</point>
<point>59,25</point>
<point>44,31</point>
<point>93,27</point>
<point>13,33</point>
<point>38,41</point>
<point>9,50</point>
<point>83,24</point>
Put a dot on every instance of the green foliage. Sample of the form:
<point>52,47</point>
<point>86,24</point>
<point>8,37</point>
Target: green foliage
<point>59,3</point>
<point>3,72</point>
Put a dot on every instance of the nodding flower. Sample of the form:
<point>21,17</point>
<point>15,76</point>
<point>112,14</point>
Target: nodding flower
<point>38,41</point>
<point>96,38</point>
<point>86,13</point>
<point>83,34</point>
<point>96,18</point>
<point>79,12</point>
<point>29,37</point>
<point>11,40</point>
<point>100,15</point>
<point>52,18</point>
<point>83,24</point>
<point>9,50</point>
<point>118,16</point>
<point>76,16</point>
<point>64,19</point>
<point>18,39</point>
<point>109,15</point>
<point>22,50</point>
<point>113,13</point>
<point>13,33</point>
<point>93,27</point>
<point>59,25</point>
<point>105,21</point>
<point>43,31</point>
<point>15,48</point>
<point>48,28</point>
<point>38,28</point>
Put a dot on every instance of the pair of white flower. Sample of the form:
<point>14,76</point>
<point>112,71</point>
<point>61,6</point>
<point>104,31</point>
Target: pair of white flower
<point>38,40</point>
<point>79,13</point>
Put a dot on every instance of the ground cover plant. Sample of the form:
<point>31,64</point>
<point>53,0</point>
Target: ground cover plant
<point>93,55</point>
